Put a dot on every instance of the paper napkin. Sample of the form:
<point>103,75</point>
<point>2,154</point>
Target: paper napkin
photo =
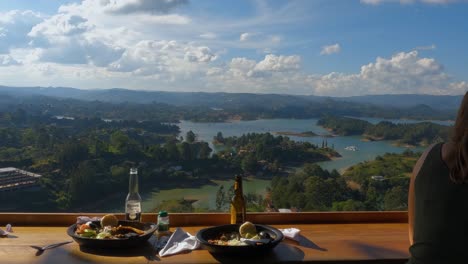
<point>292,233</point>
<point>180,241</point>
<point>4,233</point>
<point>84,219</point>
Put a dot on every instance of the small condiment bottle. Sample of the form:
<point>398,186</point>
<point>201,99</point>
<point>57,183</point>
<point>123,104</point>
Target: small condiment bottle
<point>163,221</point>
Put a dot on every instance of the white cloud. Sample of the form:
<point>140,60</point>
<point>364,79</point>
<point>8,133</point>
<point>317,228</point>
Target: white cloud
<point>14,27</point>
<point>404,72</point>
<point>459,87</point>
<point>330,49</point>
<point>199,54</point>
<point>279,63</point>
<point>246,36</point>
<point>61,25</point>
<point>7,60</point>
<point>156,57</point>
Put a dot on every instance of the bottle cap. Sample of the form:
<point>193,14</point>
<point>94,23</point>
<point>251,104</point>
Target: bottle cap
<point>162,213</point>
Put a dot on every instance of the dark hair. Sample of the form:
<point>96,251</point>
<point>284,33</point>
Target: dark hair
<point>458,153</point>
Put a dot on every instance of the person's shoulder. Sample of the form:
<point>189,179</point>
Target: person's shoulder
<point>422,158</point>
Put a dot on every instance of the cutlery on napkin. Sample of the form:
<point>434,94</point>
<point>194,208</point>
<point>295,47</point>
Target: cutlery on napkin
<point>179,241</point>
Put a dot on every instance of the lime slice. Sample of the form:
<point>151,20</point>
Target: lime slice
<point>247,229</point>
<point>109,220</point>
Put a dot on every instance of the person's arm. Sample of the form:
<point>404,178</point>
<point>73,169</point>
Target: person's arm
<point>411,194</point>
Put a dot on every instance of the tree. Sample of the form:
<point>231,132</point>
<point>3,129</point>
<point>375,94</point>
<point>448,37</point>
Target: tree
<point>190,137</point>
<point>172,151</point>
<point>220,198</point>
<point>204,151</point>
<point>396,199</point>
<point>249,163</point>
<point>185,151</point>
<point>71,154</point>
<point>219,138</point>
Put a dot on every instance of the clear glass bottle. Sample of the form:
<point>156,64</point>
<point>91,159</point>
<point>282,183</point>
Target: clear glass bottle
<point>163,221</point>
<point>133,201</point>
<point>238,203</point>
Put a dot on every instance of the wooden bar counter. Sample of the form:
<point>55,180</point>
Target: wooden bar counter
<point>325,238</point>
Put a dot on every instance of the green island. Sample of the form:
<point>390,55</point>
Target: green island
<point>418,134</point>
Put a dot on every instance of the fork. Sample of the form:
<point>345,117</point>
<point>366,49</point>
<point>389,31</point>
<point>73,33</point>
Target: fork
<point>40,250</point>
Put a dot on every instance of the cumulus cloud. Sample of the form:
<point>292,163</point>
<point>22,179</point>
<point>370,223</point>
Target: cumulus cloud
<point>404,72</point>
<point>330,49</point>
<point>14,27</point>
<point>153,57</point>
<point>7,60</point>
<point>61,25</point>
<point>199,54</point>
<point>279,63</point>
<point>246,36</point>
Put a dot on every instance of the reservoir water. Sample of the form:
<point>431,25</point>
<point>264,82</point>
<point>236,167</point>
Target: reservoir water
<point>206,195</point>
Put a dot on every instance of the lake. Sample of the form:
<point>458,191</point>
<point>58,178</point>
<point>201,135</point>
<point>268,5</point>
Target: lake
<point>367,150</point>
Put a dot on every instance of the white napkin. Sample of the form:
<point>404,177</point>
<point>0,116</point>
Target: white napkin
<point>292,233</point>
<point>9,230</point>
<point>179,241</point>
<point>84,219</point>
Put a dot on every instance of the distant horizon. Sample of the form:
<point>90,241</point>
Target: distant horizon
<point>213,92</point>
<point>321,47</point>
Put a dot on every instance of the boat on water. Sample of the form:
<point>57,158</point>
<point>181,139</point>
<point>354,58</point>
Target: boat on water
<point>351,148</point>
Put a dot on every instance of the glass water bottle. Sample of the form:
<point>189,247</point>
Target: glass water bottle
<point>133,201</point>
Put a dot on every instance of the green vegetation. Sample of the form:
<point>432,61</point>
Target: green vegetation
<point>267,154</point>
<point>418,134</point>
<point>381,184</point>
<point>84,160</point>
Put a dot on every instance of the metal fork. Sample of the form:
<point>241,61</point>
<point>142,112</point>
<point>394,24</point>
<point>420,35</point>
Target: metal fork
<point>40,250</point>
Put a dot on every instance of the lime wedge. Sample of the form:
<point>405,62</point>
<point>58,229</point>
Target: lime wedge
<point>109,220</point>
<point>247,229</point>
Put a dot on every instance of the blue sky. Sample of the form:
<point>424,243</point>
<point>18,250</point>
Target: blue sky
<point>337,48</point>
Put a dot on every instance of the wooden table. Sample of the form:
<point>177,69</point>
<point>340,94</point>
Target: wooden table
<point>330,243</point>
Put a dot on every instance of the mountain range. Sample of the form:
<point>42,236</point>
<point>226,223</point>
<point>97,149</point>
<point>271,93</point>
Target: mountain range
<point>233,100</point>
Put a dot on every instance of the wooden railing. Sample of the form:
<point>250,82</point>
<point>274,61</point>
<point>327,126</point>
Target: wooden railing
<point>204,219</point>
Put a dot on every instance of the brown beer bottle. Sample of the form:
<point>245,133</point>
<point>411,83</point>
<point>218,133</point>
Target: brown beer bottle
<point>238,203</point>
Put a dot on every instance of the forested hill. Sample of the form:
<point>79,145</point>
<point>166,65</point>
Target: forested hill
<point>423,133</point>
<point>204,106</point>
<point>220,99</point>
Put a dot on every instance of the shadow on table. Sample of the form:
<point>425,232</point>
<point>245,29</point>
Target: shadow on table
<point>146,250</point>
<point>281,253</point>
<point>379,253</point>
<point>305,242</point>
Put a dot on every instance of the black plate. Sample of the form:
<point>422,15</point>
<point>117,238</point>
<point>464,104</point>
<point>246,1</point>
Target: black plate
<point>149,229</point>
<point>213,232</point>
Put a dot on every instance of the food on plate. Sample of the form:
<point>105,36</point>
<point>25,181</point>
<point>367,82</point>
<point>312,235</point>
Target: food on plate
<point>109,229</point>
<point>247,235</point>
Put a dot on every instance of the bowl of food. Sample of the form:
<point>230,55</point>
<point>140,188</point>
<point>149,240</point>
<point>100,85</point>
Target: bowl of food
<point>111,233</point>
<point>247,238</point>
